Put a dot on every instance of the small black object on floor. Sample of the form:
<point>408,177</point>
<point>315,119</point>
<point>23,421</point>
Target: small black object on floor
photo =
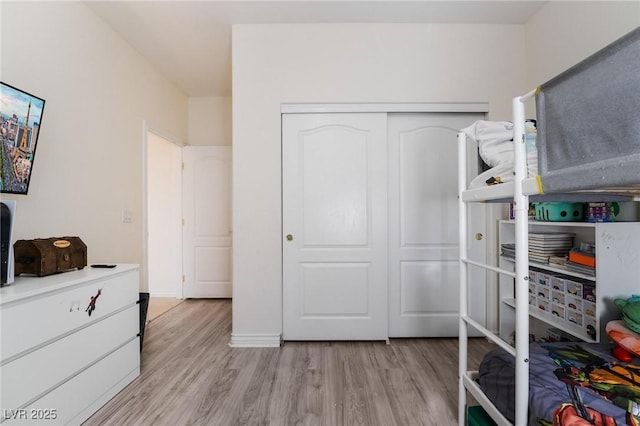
<point>143,301</point>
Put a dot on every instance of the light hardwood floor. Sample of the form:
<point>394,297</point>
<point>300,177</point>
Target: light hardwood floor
<point>160,305</point>
<point>190,376</point>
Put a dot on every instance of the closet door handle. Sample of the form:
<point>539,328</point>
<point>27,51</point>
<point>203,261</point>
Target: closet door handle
<point>289,237</point>
<point>479,236</point>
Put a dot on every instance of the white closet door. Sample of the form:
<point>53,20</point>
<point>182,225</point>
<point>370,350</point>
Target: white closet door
<point>423,225</point>
<point>334,226</point>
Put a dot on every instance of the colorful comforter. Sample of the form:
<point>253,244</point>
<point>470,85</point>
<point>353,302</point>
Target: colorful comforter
<point>568,381</point>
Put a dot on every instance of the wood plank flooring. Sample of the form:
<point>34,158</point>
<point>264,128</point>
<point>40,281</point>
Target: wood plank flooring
<point>160,305</point>
<point>190,376</point>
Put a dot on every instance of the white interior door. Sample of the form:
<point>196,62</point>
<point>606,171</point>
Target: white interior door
<point>206,235</point>
<point>334,227</point>
<point>423,225</point>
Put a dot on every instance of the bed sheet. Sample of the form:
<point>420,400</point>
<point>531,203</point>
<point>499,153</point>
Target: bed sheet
<point>556,370</point>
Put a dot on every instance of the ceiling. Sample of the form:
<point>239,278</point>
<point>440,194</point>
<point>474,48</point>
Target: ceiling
<point>189,42</point>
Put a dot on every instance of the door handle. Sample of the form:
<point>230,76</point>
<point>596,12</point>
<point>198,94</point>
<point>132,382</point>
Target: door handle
<point>479,236</point>
<point>289,237</point>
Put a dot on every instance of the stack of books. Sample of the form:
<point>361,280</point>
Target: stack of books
<point>543,246</point>
<point>508,250</point>
<point>582,260</point>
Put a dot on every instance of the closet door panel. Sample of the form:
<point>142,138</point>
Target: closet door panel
<point>334,227</point>
<point>423,224</point>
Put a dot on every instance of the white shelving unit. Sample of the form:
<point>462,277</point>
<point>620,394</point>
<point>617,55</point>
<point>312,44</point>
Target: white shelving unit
<point>616,276</point>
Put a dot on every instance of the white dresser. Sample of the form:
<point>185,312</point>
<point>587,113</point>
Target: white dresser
<point>58,363</point>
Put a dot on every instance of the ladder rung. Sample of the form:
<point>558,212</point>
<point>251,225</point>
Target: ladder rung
<point>489,267</point>
<point>490,335</point>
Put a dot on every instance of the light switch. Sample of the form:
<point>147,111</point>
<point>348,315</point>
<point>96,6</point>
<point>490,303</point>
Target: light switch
<point>127,216</point>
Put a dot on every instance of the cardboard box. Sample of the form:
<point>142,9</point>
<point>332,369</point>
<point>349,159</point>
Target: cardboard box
<point>558,297</point>
<point>573,302</point>
<point>543,279</point>
<point>543,304</point>
<point>589,293</point>
<point>573,287</point>
<point>558,310</point>
<point>590,326</point>
<point>543,291</point>
<point>557,283</point>
<point>589,309</point>
<point>574,317</point>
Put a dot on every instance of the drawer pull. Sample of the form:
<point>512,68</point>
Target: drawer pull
<point>92,302</point>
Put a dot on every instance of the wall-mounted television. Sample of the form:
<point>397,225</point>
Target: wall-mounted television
<point>20,119</point>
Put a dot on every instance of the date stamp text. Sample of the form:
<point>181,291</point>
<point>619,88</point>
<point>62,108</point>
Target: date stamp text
<point>30,414</point>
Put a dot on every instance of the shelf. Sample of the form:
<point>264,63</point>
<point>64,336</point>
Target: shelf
<point>562,270</point>
<point>556,224</point>
<point>500,193</point>
<point>553,321</point>
<point>554,268</point>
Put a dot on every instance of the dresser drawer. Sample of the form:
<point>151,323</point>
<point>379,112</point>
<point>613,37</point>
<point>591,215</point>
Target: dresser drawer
<point>31,375</point>
<point>35,321</point>
<point>75,400</point>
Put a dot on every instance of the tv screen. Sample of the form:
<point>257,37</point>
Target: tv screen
<point>20,118</point>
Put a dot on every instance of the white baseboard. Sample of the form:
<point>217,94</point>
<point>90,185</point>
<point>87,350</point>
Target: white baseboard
<point>255,340</point>
<point>163,293</point>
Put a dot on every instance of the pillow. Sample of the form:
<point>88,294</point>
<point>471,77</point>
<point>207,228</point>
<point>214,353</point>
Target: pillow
<point>623,337</point>
<point>495,141</point>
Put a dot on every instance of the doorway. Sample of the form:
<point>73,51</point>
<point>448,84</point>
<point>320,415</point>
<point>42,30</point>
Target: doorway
<point>164,214</point>
<point>187,214</point>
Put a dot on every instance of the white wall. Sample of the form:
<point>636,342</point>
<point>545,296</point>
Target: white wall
<point>563,33</point>
<point>339,63</point>
<point>98,91</point>
<point>210,121</point>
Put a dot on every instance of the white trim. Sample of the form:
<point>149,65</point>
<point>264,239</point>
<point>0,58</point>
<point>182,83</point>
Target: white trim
<point>144,266</point>
<point>164,293</point>
<point>266,340</point>
<point>305,108</point>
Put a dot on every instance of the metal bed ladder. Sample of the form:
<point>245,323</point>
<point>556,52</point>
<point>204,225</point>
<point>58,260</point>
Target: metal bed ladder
<point>466,379</point>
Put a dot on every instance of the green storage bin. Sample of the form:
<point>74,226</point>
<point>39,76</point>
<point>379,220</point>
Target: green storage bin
<point>559,212</point>
<point>476,416</point>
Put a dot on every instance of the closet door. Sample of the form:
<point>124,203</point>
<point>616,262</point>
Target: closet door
<point>334,242</point>
<point>423,225</point>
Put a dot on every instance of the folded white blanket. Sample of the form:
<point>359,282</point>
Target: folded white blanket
<point>495,146</point>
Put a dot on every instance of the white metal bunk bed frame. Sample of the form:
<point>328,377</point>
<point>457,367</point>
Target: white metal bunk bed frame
<point>518,192</point>
<point>613,176</point>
